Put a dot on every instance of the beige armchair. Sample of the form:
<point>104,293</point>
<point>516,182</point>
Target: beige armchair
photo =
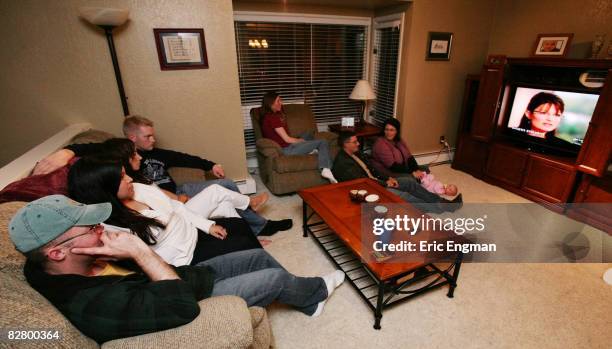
<point>289,173</point>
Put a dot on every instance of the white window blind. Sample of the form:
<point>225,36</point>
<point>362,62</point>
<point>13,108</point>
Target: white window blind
<point>385,55</point>
<point>311,63</point>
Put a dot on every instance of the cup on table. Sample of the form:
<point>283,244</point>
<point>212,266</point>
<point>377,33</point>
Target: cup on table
<point>353,195</point>
<point>361,194</point>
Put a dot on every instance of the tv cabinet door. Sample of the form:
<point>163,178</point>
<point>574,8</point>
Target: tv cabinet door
<point>550,180</point>
<point>597,146</point>
<point>470,156</point>
<point>598,191</point>
<point>487,102</point>
<point>506,164</point>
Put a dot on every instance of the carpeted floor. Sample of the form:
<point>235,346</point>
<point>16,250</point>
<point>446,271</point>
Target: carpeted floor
<point>495,305</point>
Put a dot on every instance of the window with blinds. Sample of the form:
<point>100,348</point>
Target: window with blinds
<point>317,64</point>
<point>385,55</point>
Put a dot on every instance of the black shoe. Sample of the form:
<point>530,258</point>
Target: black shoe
<point>273,227</point>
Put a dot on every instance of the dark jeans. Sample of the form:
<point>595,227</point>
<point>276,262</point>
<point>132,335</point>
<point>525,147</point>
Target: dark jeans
<point>259,279</point>
<point>239,237</point>
<point>413,192</point>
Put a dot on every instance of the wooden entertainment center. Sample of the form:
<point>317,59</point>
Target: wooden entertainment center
<point>484,150</point>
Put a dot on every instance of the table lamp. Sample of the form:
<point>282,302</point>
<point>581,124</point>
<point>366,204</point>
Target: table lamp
<point>362,92</point>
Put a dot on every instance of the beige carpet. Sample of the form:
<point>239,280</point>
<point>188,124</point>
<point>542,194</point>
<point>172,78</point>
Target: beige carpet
<point>495,305</point>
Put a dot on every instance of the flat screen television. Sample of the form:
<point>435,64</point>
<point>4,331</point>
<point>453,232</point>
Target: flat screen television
<point>550,121</point>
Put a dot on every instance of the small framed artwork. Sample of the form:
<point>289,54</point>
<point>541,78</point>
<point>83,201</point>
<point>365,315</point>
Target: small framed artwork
<point>552,45</point>
<point>181,48</point>
<point>439,46</point>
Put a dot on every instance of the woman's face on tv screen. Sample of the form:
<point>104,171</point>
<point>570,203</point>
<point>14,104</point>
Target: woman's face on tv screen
<point>545,118</point>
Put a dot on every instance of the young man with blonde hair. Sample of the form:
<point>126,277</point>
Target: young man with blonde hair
<point>155,164</point>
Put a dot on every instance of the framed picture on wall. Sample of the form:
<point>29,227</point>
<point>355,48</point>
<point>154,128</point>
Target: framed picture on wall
<point>439,46</point>
<point>181,48</point>
<point>552,45</point>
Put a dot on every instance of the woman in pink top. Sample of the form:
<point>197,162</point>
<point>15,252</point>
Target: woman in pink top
<point>391,156</point>
<point>274,127</point>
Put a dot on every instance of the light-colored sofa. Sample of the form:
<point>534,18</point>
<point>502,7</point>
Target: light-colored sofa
<point>284,174</point>
<point>224,322</point>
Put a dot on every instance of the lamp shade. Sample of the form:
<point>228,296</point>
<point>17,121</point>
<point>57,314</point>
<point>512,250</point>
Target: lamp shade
<point>104,16</point>
<point>362,91</point>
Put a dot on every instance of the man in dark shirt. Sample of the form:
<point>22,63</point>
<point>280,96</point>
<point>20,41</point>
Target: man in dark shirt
<point>350,164</point>
<point>68,261</point>
<point>155,164</point>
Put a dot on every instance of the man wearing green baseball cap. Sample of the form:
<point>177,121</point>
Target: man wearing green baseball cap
<point>59,235</point>
<point>70,261</point>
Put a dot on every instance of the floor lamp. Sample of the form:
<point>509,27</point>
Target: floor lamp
<point>108,19</point>
<point>363,92</point>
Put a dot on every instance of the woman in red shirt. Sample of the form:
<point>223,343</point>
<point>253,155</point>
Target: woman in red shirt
<point>274,127</point>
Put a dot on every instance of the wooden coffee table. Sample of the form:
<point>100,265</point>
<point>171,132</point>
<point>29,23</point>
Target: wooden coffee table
<point>335,222</point>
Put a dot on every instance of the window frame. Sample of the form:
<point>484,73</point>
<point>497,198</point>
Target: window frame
<point>386,22</point>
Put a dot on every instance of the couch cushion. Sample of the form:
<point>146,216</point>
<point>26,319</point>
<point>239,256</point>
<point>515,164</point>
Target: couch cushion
<point>24,308</point>
<point>35,187</point>
<point>223,322</point>
<point>299,119</point>
<point>256,121</point>
<point>91,136</point>
<point>262,330</point>
<point>11,260</point>
<point>296,163</point>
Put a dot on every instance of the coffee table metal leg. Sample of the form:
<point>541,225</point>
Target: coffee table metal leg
<point>453,282</point>
<point>305,219</point>
<point>379,306</point>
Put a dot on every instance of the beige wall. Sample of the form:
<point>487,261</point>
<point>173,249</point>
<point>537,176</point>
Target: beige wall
<point>56,70</point>
<point>518,22</point>
<point>430,92</point>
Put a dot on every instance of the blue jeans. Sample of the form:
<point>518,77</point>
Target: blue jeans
<point>412,191</point>
<point>255,221</point>
<point>259,279</point>
<point>310,144</point>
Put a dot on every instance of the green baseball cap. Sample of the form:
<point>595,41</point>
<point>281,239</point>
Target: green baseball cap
<point>43,220</point>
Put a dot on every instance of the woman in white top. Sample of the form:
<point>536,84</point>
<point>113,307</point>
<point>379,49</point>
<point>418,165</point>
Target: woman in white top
<point>180,233</point>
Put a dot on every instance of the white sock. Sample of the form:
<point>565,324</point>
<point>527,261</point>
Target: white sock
<point>327,173</point>
<point>332,281</point>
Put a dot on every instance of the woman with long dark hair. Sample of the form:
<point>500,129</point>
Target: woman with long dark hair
<point>177,233</point>
<point>274,127</point>
<point>124,151</point>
